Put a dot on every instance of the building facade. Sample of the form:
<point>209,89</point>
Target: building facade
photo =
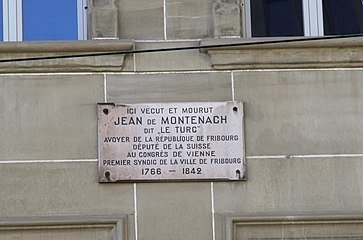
<point>303,131</point>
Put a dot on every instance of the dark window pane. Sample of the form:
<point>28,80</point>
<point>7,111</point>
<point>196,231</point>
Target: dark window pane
<point>343,17</point>
<point>274,18</point>
<point>50,20</point>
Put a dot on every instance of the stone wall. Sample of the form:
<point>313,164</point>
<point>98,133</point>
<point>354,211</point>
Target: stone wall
<point>165,19</point>
<point>303,131</point>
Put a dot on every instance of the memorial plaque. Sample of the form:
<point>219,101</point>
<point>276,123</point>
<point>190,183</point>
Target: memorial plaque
<point>171,142</point>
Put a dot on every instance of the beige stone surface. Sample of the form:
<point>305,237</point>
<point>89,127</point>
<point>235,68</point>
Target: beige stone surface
<point>69,234</point>
<point>307,225</point>
<point>49,116</point>
<point>104,23</point>
<point>168,87</point>
<point>60,189</point>
<point>142,19</point>
<point>115,226</point>
<point>288,186</point>
<point>176,210</point>
<point>42,57</point>
<point>187,60</point>
<point>227,18</point>
<point>187,19</point>
<point>129,63</point>
<point>303,129</point>
<point>103,19</point>
<point>285,53</point>
<point>302,111</point>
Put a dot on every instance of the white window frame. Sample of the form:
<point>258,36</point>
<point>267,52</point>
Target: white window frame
<point>82,19</point>
<point>312,18</point>
<point>13,20</point>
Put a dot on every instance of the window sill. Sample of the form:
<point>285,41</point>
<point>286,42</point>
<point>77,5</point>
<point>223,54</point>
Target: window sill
<point>327,53</point>
<point>19,50</point>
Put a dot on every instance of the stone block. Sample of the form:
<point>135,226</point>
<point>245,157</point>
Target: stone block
<point>104,23</point>
<point>90,227</point>
<point>168,87</point>
<point>49,116</point>
<point>142,19</point>
<point>285,53</point>
<point>304,112</point>
<point>103,3</point>
<point>173,60</point>
<point>187,19</point>
<point>129,63</point>
<point>294,225</point>
<point>60,189</point>
<point>177,210</point>
<point>289,186</point>
<point>75,56</point>
<point>227,19</point>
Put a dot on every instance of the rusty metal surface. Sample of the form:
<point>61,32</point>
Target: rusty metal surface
<point>171,142</point>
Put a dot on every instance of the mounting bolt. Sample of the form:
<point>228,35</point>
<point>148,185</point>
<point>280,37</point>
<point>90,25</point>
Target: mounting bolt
<point>107,175</point>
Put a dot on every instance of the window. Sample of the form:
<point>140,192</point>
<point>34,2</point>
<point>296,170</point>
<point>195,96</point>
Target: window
<point>342,17</point>
<point>281,18</point>
<point>42,20</point>
<point>1,19</point>
<point>276,18</point>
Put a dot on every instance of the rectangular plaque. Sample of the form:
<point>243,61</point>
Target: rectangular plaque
<point>171,141</point>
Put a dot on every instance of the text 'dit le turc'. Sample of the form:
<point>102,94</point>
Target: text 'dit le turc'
<point>201,141</point>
